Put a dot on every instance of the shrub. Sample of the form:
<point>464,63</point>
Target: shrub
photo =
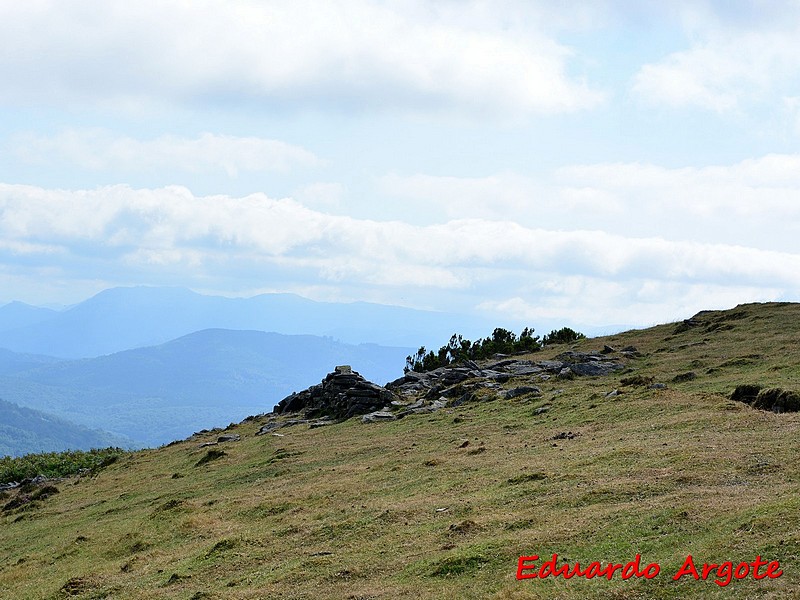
<point>565,335</point>
<point>502,341</point>
<point>57,464</point>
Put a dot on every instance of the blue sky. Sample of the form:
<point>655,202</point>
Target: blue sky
<point>598,162</point>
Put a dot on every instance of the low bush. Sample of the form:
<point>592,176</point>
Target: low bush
<point>57,464</point>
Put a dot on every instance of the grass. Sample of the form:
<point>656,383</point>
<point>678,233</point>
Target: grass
<point>406,510</point>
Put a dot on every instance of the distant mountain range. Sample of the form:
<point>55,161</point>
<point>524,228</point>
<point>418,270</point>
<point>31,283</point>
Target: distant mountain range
<point>153,364</point>
<point>124,318</point>
<point>18,314</point>
<point>160,393</point>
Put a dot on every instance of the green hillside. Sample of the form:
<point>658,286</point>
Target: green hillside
<point>26,431</point>
<point>654,460</point>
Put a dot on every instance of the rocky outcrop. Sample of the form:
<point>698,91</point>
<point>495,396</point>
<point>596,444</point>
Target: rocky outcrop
<point>592,364</point>
<point>378,416</point>
<point>772,399</point>
<point>341,395</point>
<point>456,381</point>
<point>344,393</point>
<point>274,424</point>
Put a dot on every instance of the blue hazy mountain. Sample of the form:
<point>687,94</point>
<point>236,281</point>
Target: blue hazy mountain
<point>14,362</point>
<point>208,378</point>
<point>124,318</point>
<point>24,430</point>
<point>18,314</point>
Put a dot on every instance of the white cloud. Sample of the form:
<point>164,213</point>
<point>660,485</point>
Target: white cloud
<point>750,203</point>
<point>97,149</point>
<point>505,196</point>
<point>732,63</point>
<point>321,195</point>
<point>353,54</point>
<point>19,248</point>
<point>642,302</point>
<point>169,232</point>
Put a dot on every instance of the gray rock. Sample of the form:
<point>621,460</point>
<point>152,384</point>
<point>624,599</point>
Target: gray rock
<point>523,367</point>
<point>521,391</point>
<point>554,366</point>
<point>541,409</point>
<point>497,376</point>
<point>341,395</point>
<point>378,416</point>
<point>595,368</point>
<point>229,437</point>
<point>630,352</point>
<point>421,408</point>
<point>501,365</point>
<point>657,386</point>
<point>275,425</point>
<point>269,428</point>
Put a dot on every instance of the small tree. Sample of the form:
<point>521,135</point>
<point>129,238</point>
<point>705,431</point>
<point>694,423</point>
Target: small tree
<point>565,335</point>
<point>501,341</point>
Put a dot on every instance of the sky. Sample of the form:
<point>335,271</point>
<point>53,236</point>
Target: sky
<point>601,162</point>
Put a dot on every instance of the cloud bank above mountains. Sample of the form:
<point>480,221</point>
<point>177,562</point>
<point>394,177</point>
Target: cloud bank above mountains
<point>603,163</point>
<point>118,232</point>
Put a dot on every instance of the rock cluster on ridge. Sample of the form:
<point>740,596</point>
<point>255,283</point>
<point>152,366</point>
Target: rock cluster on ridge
<point>344,393</point>
<point>459,383</point>
<point>341,395</point>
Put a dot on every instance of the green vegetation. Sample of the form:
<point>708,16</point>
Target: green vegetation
<point>502,341</point>
<point>56,464</point>
<point>565,335</point>
<point>403,510</point>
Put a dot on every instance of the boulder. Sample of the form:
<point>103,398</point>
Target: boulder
<point>341,395</point>
<point>378,416</point>
<point>273,426</point>
<point>522,391</point>
<point>591,364</point>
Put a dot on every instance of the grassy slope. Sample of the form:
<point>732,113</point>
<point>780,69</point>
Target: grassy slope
<point>350,511</point>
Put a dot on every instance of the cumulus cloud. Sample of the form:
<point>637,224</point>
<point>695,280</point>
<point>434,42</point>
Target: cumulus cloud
<point>504,196</point>
<point>732,63</point>
<point>354,54</point>
<point>321,195</point>
<point>756,199</point>
<point>98,149</point>
<point>202,239</point>
<point>753,202</point>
